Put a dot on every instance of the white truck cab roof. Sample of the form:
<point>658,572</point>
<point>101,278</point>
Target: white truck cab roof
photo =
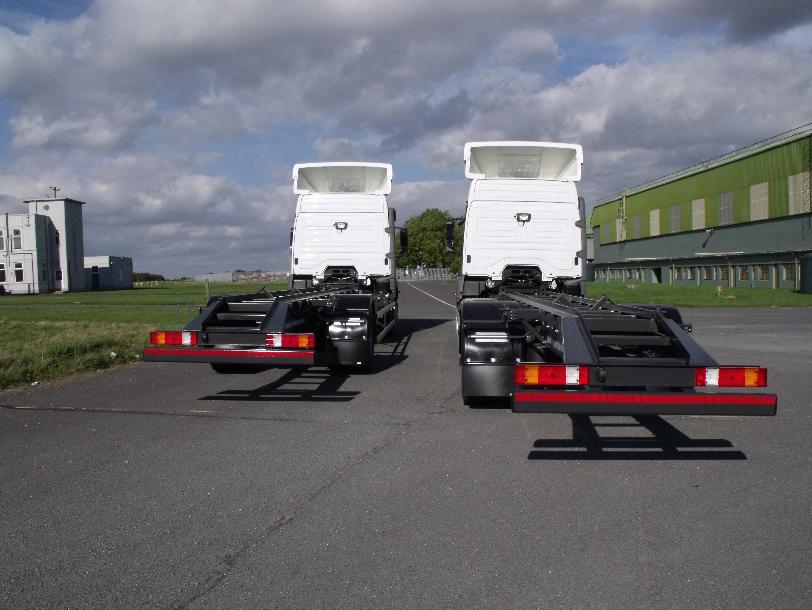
<point>523,160</point>
<point>342,177</point>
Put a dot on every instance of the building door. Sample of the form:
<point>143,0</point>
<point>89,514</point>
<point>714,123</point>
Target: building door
<point>94,277</point>
<point>657,274</point>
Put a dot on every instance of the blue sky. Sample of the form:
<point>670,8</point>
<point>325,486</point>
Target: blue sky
<point>178,123</point>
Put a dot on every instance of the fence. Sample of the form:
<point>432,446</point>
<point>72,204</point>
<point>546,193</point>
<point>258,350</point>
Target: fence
<point>428,274</point>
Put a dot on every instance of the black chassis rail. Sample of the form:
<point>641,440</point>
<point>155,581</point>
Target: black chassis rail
<point>542,326</point>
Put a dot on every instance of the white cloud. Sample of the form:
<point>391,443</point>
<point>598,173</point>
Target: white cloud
<point>519,45</point>
<point>337,149</point>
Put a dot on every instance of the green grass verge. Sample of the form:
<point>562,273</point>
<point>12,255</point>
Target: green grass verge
<point>51,336</point>
<point>163,293</point>
<point>697,296</point>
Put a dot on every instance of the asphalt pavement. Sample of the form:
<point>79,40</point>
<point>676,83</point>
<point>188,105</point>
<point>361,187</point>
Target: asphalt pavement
<point>165,485</point>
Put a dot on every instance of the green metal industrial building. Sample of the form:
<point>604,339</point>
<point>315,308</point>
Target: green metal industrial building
<point>741,219</point>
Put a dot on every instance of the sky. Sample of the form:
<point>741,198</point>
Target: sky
<point>178,122</point>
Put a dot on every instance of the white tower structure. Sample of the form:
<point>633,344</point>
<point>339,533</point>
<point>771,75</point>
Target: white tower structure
<point>66,215</point>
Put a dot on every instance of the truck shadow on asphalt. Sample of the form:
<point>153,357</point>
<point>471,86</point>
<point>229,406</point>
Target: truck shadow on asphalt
<point>298,384</point>
<point>392,351</point>
<point>319,384</point>
<point>666,442</point>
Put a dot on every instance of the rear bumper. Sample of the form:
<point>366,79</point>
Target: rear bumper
<point>630,403</point>
<point>230,356</point>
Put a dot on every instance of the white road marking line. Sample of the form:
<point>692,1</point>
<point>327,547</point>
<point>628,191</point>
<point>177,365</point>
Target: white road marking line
<point>431,295</point>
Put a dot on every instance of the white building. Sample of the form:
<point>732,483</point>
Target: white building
<point>43,250</point>
<point>26,240</point>
<point>66,217</point>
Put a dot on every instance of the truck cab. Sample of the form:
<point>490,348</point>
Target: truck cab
<point>344,228</point>
<point>524,219</point>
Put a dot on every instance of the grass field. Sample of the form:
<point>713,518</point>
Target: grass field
<point>50,336</point>
<point>697,296</point>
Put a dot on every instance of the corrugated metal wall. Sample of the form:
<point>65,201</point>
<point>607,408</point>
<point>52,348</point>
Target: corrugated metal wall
<point>772,166</point>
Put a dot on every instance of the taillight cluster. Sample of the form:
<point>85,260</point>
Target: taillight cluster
<point>572,375</point>
<point>731,377</point>
<point>173,337</point>
<point>550,374</point>
<point>291,340</point>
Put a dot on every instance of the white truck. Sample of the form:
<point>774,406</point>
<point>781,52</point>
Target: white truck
<point>342,295</point>
<point>525,329</point>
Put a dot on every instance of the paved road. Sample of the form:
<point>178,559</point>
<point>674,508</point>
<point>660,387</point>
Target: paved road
<point>165,485</point>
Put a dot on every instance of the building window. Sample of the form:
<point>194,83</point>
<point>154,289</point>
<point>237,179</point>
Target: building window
<point>56,237</point>
<point>726,208</point>
<point>698,214</point>
<point>763,273</point>
<point>59,275</point>
<point>674,224</point>
<point>691,273</point>
<point>799,196</point>
<point>759,201</point>
<point>707,273</point>
<point>744,272</point>
<point>723,272</point>
<point>16,239</point>
<point>2,241</point>
<point>654,222</point>
<point>789,272</point>
<point>637,226</point>
<point>18,272</point>
<point>2,273</point>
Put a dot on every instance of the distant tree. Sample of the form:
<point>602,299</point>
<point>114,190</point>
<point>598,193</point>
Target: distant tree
<point>427,241</point>
<point>148,277</point>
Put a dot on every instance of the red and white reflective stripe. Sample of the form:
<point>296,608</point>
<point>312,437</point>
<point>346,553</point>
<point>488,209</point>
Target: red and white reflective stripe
<point>173,337</point>
<point>291,340</point>
<point>225,353</point>
<point>731,377</point>
<point>612,398</point>
<point>550,374</point>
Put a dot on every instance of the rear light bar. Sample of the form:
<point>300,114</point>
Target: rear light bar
<point>731,377</point>
<point>550,374</point>
<point>291,340</point>
<point>571,375</point>
<point>173,337</point>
